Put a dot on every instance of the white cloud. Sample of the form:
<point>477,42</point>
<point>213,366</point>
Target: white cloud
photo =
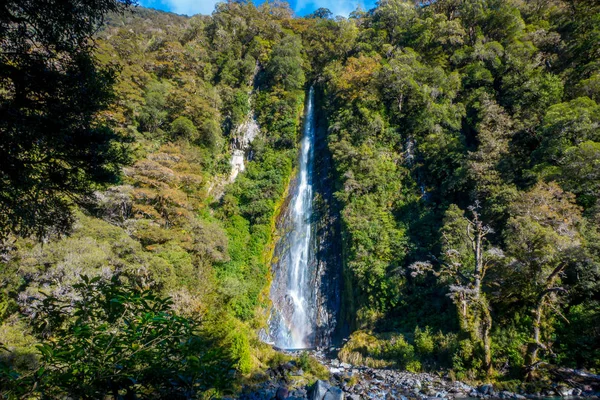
<point>191,7</point>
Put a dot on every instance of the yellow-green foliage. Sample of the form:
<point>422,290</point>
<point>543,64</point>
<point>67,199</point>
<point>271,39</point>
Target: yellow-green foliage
<point>424,342</point>
<point>413,366</point>
<point>312,366</point>
<point>16,337</point>
<point>240,350</point>
<point>364,348</point>
<point>278,358</point>
<point>385,350</point>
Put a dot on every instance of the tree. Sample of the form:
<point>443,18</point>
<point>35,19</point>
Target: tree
<point>285,65</point>
<point>568,124</point>
<point>53,147</point>
<point>466,259</point>
<point>321,13</point>
<point>183,128</point>
<point>581,172</point>
<point>115,340</point>
<point>493,136</point>
<point>541,236</point>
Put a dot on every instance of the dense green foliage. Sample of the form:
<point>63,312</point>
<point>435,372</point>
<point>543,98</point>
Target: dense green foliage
<point>53,149</point>
<point>465,137</point>
<point>174,226</point>
<point>115,339</point>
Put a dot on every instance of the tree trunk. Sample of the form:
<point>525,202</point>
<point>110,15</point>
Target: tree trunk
<point>534,348</point>
<point>538,312</point>
<point>487,340</point>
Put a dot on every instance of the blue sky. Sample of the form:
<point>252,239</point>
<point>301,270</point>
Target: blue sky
<point>301,7</point>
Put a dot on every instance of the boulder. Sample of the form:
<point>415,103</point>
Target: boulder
<point>319,390</point>
<point>461,395</point>
<point>334,393</point>
<point>288,366</point>
<point>486,389</point>
<point>282,393</point>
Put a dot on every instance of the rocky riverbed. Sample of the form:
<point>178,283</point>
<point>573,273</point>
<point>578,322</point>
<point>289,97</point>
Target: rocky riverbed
<point>355,383</point>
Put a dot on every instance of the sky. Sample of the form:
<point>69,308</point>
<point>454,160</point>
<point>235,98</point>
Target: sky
<point>301,7</point>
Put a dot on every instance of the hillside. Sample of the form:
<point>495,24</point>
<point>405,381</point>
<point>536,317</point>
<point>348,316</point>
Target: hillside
<point>456,189</point>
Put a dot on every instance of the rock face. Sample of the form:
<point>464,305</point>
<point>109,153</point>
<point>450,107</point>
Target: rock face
<point>330,326</point>
<point>243,136</point>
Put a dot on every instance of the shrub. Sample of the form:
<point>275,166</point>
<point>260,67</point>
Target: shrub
<point>183,128</point>
<point>413,366</point>
<point>312,366</point>
<point>112,339</point>
<point>399,350</point>
<point>240,351</point>
<point>424,342</point>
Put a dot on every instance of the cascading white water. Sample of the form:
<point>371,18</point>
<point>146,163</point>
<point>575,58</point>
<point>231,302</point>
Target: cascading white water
<point>294,328</point>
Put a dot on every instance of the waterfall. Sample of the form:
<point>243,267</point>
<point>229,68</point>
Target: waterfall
<point>294,318</point>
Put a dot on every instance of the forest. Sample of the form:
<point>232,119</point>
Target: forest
<point>465,142</point>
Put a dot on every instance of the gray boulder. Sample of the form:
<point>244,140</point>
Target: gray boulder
<point>486,389</point>
<point>282,393</point>
<point>319,390</point>
<point>334,393</point>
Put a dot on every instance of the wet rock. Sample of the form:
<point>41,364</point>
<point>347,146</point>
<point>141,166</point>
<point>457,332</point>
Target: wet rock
<point>563,391</point>
<point>288,366</point>
<point>334,393</point>
<point>354,397</point>
<point>461,395</point>
<point>282,393</point>
<point>266,394</point>
<point>319,389</point>
<point>486,389</point>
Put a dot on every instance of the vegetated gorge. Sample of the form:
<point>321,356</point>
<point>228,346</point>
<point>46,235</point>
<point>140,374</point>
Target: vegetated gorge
<point>399,204</point>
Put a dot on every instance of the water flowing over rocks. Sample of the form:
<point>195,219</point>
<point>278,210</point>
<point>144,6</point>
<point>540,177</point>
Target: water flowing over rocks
<point>305,291</point>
